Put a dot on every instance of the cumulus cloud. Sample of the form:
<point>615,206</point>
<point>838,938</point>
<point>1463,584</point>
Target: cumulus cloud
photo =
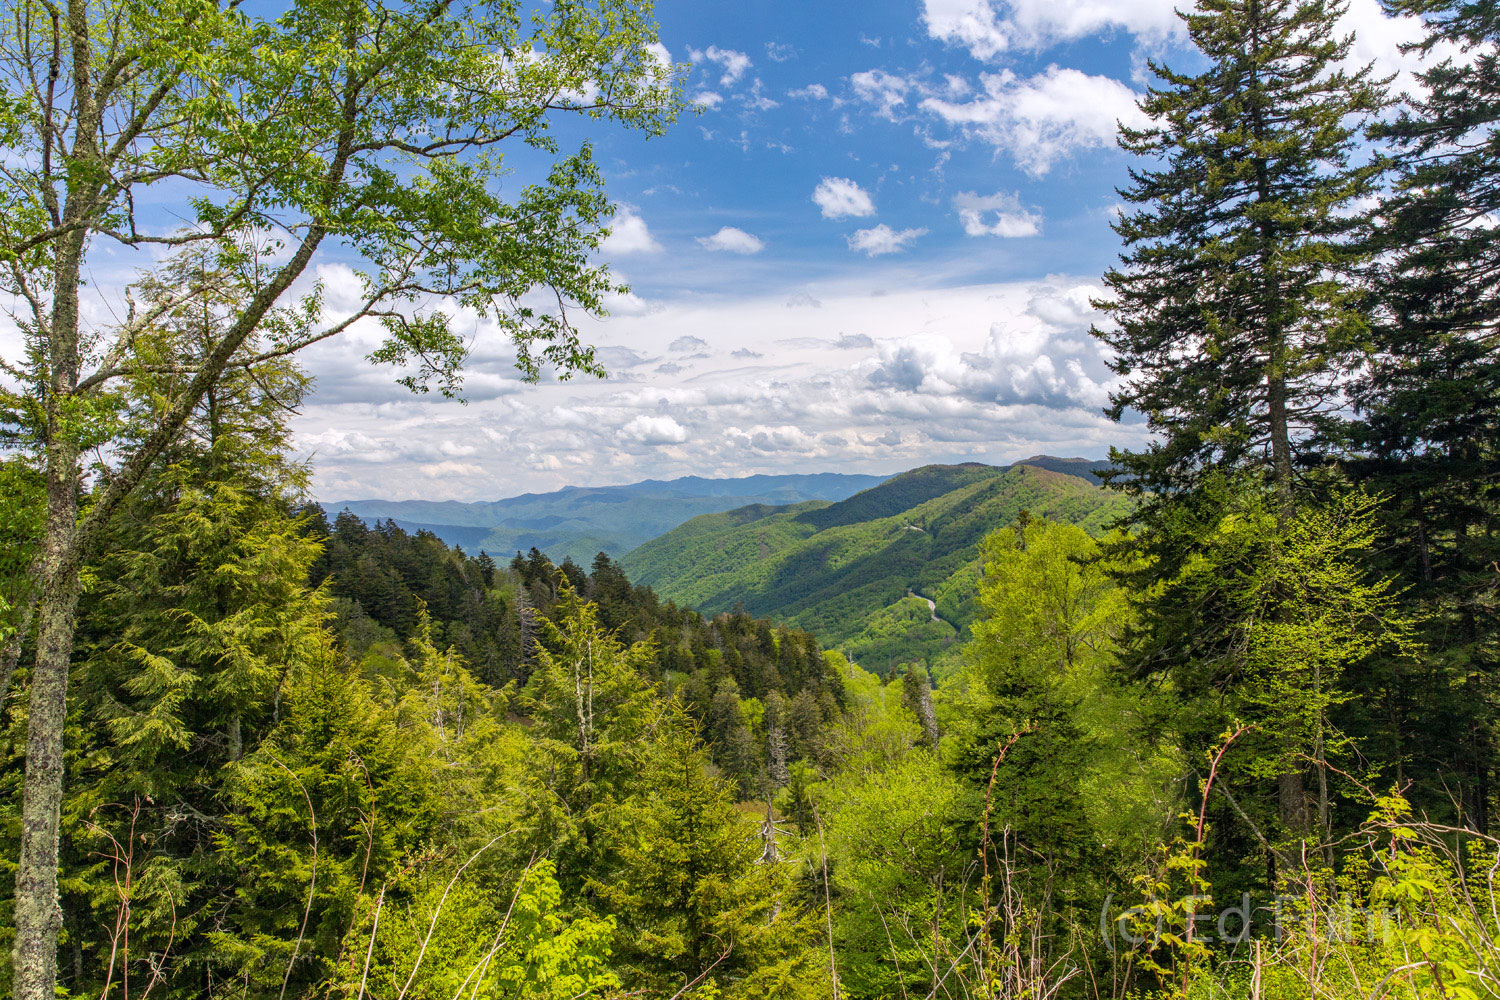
<point>990,28</point>
<point>839,198</point>
<point>882,240</point>
<point>927,373</point>
<point>733,63</point>
<point>756,100</point>
<point>335,442</point>
<point>1070,308</point>
<point>770,440</point>
<point>972,24</point>
<point>709,99</point>
<point>628,234</point>
<point>625,304</point>
<point>654,430</point>
<point>1043,118</point>
<point>732,240</point>
<point>998,214</point>
<point>1380,39</point>
<point>1000,374</point>
<point>811,92</point>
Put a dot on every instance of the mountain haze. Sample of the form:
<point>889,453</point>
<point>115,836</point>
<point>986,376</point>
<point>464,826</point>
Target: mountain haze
<point>860,572</point>
<point>578,522</point>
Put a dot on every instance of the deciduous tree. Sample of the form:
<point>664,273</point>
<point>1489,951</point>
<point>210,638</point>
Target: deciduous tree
<point>376,131</point>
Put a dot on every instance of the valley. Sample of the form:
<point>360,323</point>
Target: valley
<point>886,576</point>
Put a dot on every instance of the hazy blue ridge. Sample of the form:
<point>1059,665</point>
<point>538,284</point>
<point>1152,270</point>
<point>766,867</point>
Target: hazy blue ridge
<point>580,521</point>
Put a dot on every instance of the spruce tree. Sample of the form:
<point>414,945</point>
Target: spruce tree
<point>1425,426</point>
<point>1232,322</point>
<point>1237,307</point>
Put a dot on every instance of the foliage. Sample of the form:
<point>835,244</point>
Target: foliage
<point>844,581</point>
<point>1232,323</point>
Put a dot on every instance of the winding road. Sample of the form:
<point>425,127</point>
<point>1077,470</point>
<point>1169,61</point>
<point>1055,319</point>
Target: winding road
<point>931,604</point>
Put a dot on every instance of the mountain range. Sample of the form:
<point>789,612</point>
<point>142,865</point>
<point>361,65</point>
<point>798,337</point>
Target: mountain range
<point>578,522</point>
<point>887,575</point>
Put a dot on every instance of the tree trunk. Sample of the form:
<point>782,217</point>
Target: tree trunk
<point>1280,431</point>
<point>1293,801</point>
<point>38,913</point>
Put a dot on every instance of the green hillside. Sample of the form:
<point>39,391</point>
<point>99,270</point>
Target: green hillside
<point>859,572</point>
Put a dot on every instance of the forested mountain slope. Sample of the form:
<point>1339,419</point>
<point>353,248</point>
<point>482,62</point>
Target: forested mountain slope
<point>578,522</point>
<point>388,585</point>
<point>853,571</point>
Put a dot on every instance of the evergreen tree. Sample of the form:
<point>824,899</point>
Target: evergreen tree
<point>1425,432</point>
<point>1232,322</point>
<point>1237,307</point>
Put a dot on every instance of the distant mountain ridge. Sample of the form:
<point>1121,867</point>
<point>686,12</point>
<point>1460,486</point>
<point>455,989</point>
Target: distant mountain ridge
<point>859,571</point>
<point>578,522</point>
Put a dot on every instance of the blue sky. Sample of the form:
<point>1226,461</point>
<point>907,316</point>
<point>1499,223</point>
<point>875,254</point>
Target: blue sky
<point>872,247</point>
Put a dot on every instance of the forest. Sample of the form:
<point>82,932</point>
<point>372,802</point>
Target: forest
<point>1240,742</point>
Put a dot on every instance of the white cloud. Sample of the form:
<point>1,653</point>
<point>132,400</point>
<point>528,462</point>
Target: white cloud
<point>448,470</point>
<point>756,100</point>
<point>770,440</point>
<point>709,99</point>
<point>1040,23</point>
<point>1379,38</point>
<point>1043,118</point>
<point>883,239</point>
<point>867,383</point>
<point>688,343</point>
<point>625,304</point>
<point>732,240</point>
<point>661,54</point>
<point>1009,371</point>
<point>780,51</point>
<point>840,198</point>
<point>989,28</point>
<point>628,234</point>
<point>884,90</point>
<point>651,430</point>
<point>811,92</point>
<point>734,63</point>
<point>998,214</point>
<point>1067,309</point>
<point>973,24</point>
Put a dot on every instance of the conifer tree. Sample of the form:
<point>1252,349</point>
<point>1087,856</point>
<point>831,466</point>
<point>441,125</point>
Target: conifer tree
<point>1231,319</point>
<point>1237,308</point>
<point>1425,431</point>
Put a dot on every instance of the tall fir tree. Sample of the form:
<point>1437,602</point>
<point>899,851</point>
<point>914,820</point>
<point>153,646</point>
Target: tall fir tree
<point>1231,319</point>
<point>1238,307</point>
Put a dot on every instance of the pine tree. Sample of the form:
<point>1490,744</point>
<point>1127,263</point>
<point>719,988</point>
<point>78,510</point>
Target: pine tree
<point>1232,323</point>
